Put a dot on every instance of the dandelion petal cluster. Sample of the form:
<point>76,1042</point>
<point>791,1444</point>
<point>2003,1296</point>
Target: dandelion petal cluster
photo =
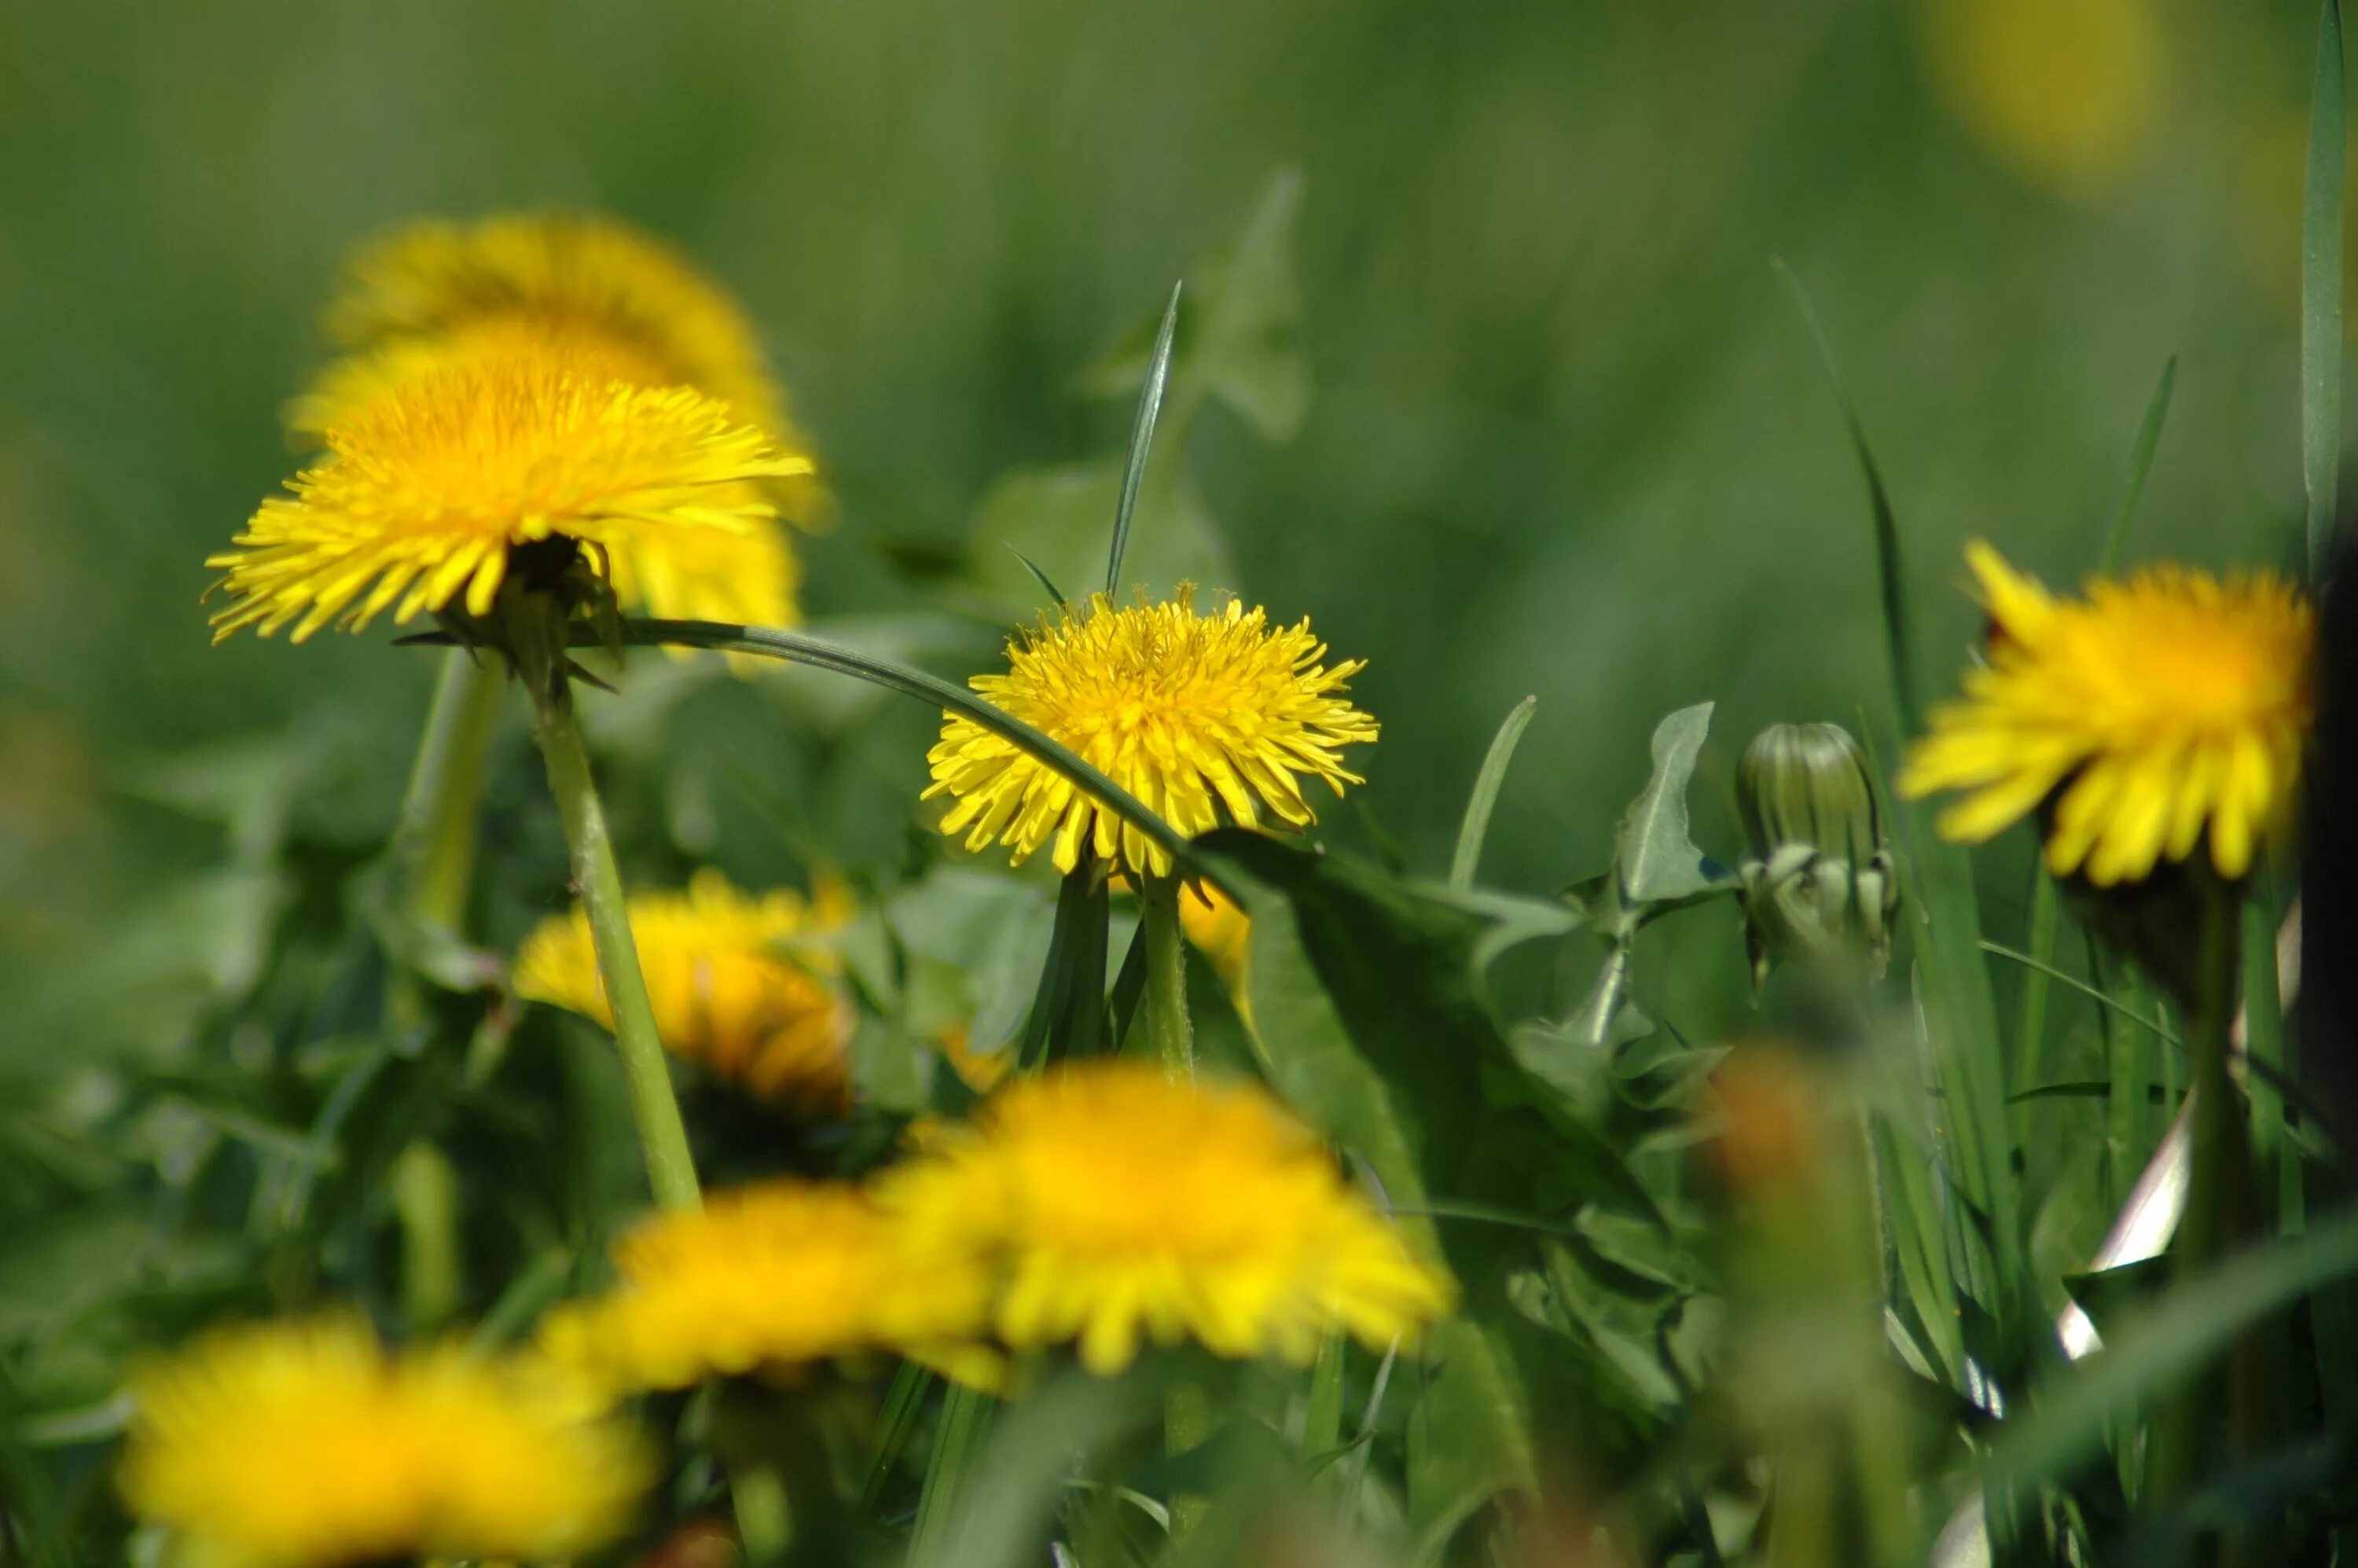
<point>768,1279</point>
<point>1195,714</point>
<point>743,985</point>
<point>426,492</point>
<point>1120,1207</point>
<point>2162,711</point>
<point>296,1445</point>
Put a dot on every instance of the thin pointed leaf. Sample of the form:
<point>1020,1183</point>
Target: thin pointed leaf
<point>2149,437</point>
<point>2321,290</point>
<point>1897,630</point>
<point>1141,437</point>
<point>1477,823</point>
<point>1056,594</point>
<point>2190,1327</point>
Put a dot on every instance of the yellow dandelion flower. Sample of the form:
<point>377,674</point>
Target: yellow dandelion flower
<point>287,1444</point>
<point>745,986</point>
<point>426,495</point>
<point>2162,708</point>
<point>1124,1207</point>
<point>586,277</point>
<point>766,1279</point>
<point>626,309</point>
<point>1195,714</point>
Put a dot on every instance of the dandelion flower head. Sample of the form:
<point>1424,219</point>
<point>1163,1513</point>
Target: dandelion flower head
<point>766,1279</point>
<point>1124,1207</point>
<point>2162,715</point>
<point>424,495</point>
<point>293,1444</point>
<point>747,987</point>
<point>1197,714</point>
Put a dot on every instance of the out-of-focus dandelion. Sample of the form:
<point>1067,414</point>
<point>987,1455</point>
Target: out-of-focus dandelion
<point>744,986</point>
<point>2066,93</point>
<point>1122,1205</point>
<point>768,1279</point>
<point>1819,884</point>
<point>2159,719</point>
<point>1195,714</point>
<point>291,1445</point>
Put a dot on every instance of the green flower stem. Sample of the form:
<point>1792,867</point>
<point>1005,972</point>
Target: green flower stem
<point>1167,1029</point>
<point>537,644</point>
<point>446,786</point>
<point>425,1207</point>
<point>2222,1210</point>
<point>434,862</point>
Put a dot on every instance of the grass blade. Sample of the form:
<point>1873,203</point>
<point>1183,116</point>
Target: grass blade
<point>1897,632</point>
<point>903,1404</point>
<point>2149,437</point>
<point>2189,1328</point>
<point>1477,823</point>
<point>2030,1028</point>
<point>1141,437</point>
<point>958,1435</point>
<point>2321,291</point>
<point>1056,595</point>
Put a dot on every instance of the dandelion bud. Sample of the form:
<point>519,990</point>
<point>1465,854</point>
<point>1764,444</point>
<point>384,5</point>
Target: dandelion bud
<point>1818,882</point>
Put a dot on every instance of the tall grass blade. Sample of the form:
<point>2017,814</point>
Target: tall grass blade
<point>2031,1027</point>
<point>958,1449</point>
<point>1898,630</point>
<point>2321,290</point>
<point>2188,1329</point>
<point>1476,826</point>
<point>1141,437</point>
<point>903,1401</point>
<point>2149,437</point>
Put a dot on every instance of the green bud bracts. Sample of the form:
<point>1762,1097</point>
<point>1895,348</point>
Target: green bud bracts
<point>1818,883</point>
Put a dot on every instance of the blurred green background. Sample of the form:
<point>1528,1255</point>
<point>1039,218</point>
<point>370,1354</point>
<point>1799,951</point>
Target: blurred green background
<point>1565,435</point>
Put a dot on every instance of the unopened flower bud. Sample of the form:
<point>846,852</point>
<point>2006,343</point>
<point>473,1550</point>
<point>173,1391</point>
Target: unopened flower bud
<point>1818,884</point>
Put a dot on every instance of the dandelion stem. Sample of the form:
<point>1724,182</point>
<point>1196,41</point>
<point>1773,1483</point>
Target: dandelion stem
<point>2222,1210</point>
<point>1167,1029</point>
<point>446,788</point>
<point>538,647</point>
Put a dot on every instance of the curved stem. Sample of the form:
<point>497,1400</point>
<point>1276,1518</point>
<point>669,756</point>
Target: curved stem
<point>1167,1029</point>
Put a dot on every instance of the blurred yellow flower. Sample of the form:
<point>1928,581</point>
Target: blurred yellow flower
<point>1123,1205</point>
<point>426,494</point>
<point>2064,92</point>
<point>1220,930</point>
<point>745,986</point>
<point>1193,714</point>
<point>766,1279</point>
<point>287,1445</point>
<point>626,309</point>
<point>2162,708</point>
<point>981,1071</point>
<point>588,278</point>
